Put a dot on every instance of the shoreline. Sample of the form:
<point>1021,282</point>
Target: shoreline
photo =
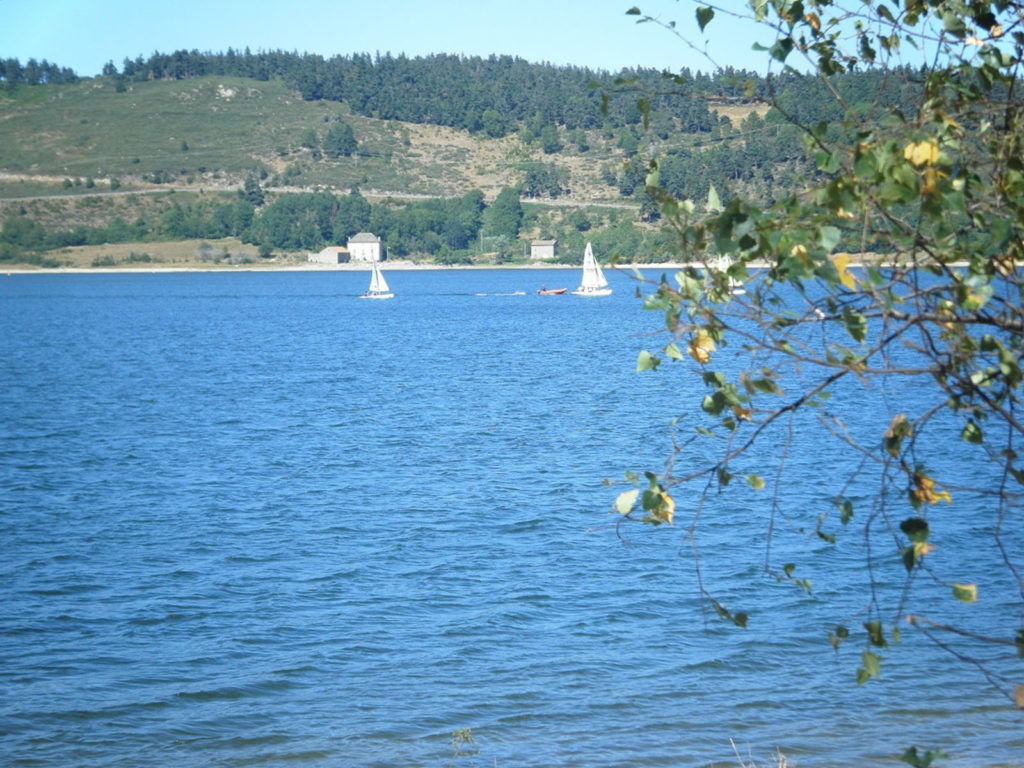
<point>386,266</point>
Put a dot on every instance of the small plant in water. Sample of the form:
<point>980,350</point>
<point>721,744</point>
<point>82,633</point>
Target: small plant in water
<point>777,760</point>
<point>922,760</point>
<point>463,745</point>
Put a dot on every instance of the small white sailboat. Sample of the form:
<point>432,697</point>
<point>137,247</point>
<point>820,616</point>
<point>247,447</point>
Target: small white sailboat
<point>378,286</point>
<point>722,264</point>
<point>594,283</point>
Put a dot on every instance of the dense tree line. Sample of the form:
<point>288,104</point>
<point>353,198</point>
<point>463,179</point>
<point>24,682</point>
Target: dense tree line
<point>290,222</point>
<point>13,73</point>
<point>500,94</point>
<point>494,95</point>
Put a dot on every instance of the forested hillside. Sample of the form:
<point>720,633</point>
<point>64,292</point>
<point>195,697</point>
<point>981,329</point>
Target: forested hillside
<point>250,130</point>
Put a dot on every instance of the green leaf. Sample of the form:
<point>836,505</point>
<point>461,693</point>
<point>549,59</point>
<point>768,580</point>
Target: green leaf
<point>673,352</point>
<point>915,528</point>
<point>713,404</point>
<point>972,433</point>
<point>965,593</point>
<point>704,16</point>
<point>845,512</point>
<point>827,162</point>
<point>954,24</point>
<point>645,361</point>
<point>911,757</point>
<point>839,635</point>
<point>829,237</point>
<point>909,558</point>
<point>755,481</point>
<point>875,634</point>
<point>781,49</point>
<point>714,201</point>
<point>856,324</point>
<point>624,503</point>
<point>872,663</point>
<point>634,11</point>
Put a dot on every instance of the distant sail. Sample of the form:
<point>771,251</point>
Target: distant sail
<point>593,282</point>
<point>378,286</point>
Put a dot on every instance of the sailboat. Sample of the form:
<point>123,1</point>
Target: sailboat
<point>722,264</point>
<point>378,286</point>
<point>594,283</point>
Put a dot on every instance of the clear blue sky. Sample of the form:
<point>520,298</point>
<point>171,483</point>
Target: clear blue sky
<point>85,34</point>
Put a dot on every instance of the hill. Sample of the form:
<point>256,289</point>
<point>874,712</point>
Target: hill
<point>166,148</point>
<point>212,131</point>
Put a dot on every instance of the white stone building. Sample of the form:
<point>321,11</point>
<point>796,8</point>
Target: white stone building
<point>542,250</point>
<point>365,247</point>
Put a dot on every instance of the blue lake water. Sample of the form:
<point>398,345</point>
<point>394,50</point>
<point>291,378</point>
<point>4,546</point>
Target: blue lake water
<point>249,519</point>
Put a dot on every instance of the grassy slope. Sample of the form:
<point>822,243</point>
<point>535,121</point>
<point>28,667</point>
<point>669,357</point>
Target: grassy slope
<point>232,126</point>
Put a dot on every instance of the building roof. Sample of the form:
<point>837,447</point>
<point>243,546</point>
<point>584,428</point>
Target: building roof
<point>364,237</point>
<point>335,249</point>
<point>544,242</point>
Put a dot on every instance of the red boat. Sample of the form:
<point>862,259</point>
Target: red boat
<point>551,291</point>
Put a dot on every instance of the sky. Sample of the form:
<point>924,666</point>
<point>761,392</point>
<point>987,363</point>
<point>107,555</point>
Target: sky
<point>598,34</point>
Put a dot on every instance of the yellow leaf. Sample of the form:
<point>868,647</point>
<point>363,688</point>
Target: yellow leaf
<point>1018,696</point>
<point>931,177</point>
<point>813,19</point>
<point>841,261</point>
<point>701,346</point>
<point>668,508</point>
<point>924,490</point>
<point>743,414</point>
<point>922,548</point>
<point>922,153</point>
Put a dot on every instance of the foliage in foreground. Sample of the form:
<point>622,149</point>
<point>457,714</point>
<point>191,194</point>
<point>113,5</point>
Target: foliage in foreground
<point>931,201</point>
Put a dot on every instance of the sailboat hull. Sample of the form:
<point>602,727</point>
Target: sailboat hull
<point>592,292</point>
<point>377,296</point>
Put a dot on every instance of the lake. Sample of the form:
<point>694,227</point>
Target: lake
<point>249,519</point>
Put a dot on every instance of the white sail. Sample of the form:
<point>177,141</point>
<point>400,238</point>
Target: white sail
<point>593,282</point>
<point>722,263</point>
<point>378,286</point>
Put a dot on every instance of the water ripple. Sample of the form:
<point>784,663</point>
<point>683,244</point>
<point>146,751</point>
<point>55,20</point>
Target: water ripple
<point>249,521</point>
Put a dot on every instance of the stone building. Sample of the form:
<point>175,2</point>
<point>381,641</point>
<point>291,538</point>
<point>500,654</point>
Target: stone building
<point>332,254</point>
<point>542,250</point>
<point>365,247</point>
